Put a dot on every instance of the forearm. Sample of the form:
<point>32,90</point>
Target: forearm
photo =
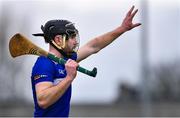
<point>107,38</point>
<point>98,43</point>
<point>50,95</point>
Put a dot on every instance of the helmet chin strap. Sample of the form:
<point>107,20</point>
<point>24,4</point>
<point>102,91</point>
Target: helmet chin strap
<point>60,48</point>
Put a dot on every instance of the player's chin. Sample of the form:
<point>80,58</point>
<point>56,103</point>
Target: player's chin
<point>70,50</point>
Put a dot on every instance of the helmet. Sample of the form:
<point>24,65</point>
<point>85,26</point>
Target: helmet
<point>54,27</point>
<point>61,27</point>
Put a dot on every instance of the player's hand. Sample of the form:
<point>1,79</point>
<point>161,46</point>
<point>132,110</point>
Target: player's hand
<point>127,23</point>
<point>71,68</point>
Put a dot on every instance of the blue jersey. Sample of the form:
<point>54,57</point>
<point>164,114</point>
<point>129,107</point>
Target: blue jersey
<point>47,70</point>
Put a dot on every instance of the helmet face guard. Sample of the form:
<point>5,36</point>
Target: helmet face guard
<point>73,34</point>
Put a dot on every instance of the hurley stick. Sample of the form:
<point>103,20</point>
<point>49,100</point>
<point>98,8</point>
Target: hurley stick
<point>19,45</point>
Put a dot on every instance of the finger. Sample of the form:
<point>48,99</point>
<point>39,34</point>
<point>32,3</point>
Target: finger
<point>134,13</point>
<point>130,11</point>
<point>72,62</point>
<point>69,60</point>
<point>136,25</point>
<point>75,63</point>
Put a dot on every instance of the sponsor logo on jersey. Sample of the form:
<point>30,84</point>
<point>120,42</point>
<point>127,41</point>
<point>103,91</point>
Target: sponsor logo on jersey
<point>61,71</point>
<point>39,76</point>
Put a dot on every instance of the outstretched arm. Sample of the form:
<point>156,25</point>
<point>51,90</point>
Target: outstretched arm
<point>98,43</point>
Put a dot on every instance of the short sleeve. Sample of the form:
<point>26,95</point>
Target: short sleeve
<point>74,56</point>
<point>43,70</point>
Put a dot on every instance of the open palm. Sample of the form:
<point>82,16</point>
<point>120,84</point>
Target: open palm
<point>128,20</point>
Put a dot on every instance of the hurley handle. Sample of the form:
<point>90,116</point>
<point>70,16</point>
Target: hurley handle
<point>79,68</point>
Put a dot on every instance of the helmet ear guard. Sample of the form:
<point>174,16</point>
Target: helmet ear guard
<point>63,42</point>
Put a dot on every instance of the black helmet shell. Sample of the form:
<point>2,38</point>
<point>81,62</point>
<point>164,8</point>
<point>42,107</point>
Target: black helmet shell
<point>55,27</point>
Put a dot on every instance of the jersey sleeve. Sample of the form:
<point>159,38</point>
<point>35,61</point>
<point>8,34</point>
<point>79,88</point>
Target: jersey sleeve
<point>74,56</point>
<point>43,70</point>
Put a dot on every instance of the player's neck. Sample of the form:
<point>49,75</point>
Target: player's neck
<point>52,50</point>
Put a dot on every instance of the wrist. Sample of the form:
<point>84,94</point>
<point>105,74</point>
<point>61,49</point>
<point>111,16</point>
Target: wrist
<point>122,29</point>
<point>119,30</point>
<point>69,78</point>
